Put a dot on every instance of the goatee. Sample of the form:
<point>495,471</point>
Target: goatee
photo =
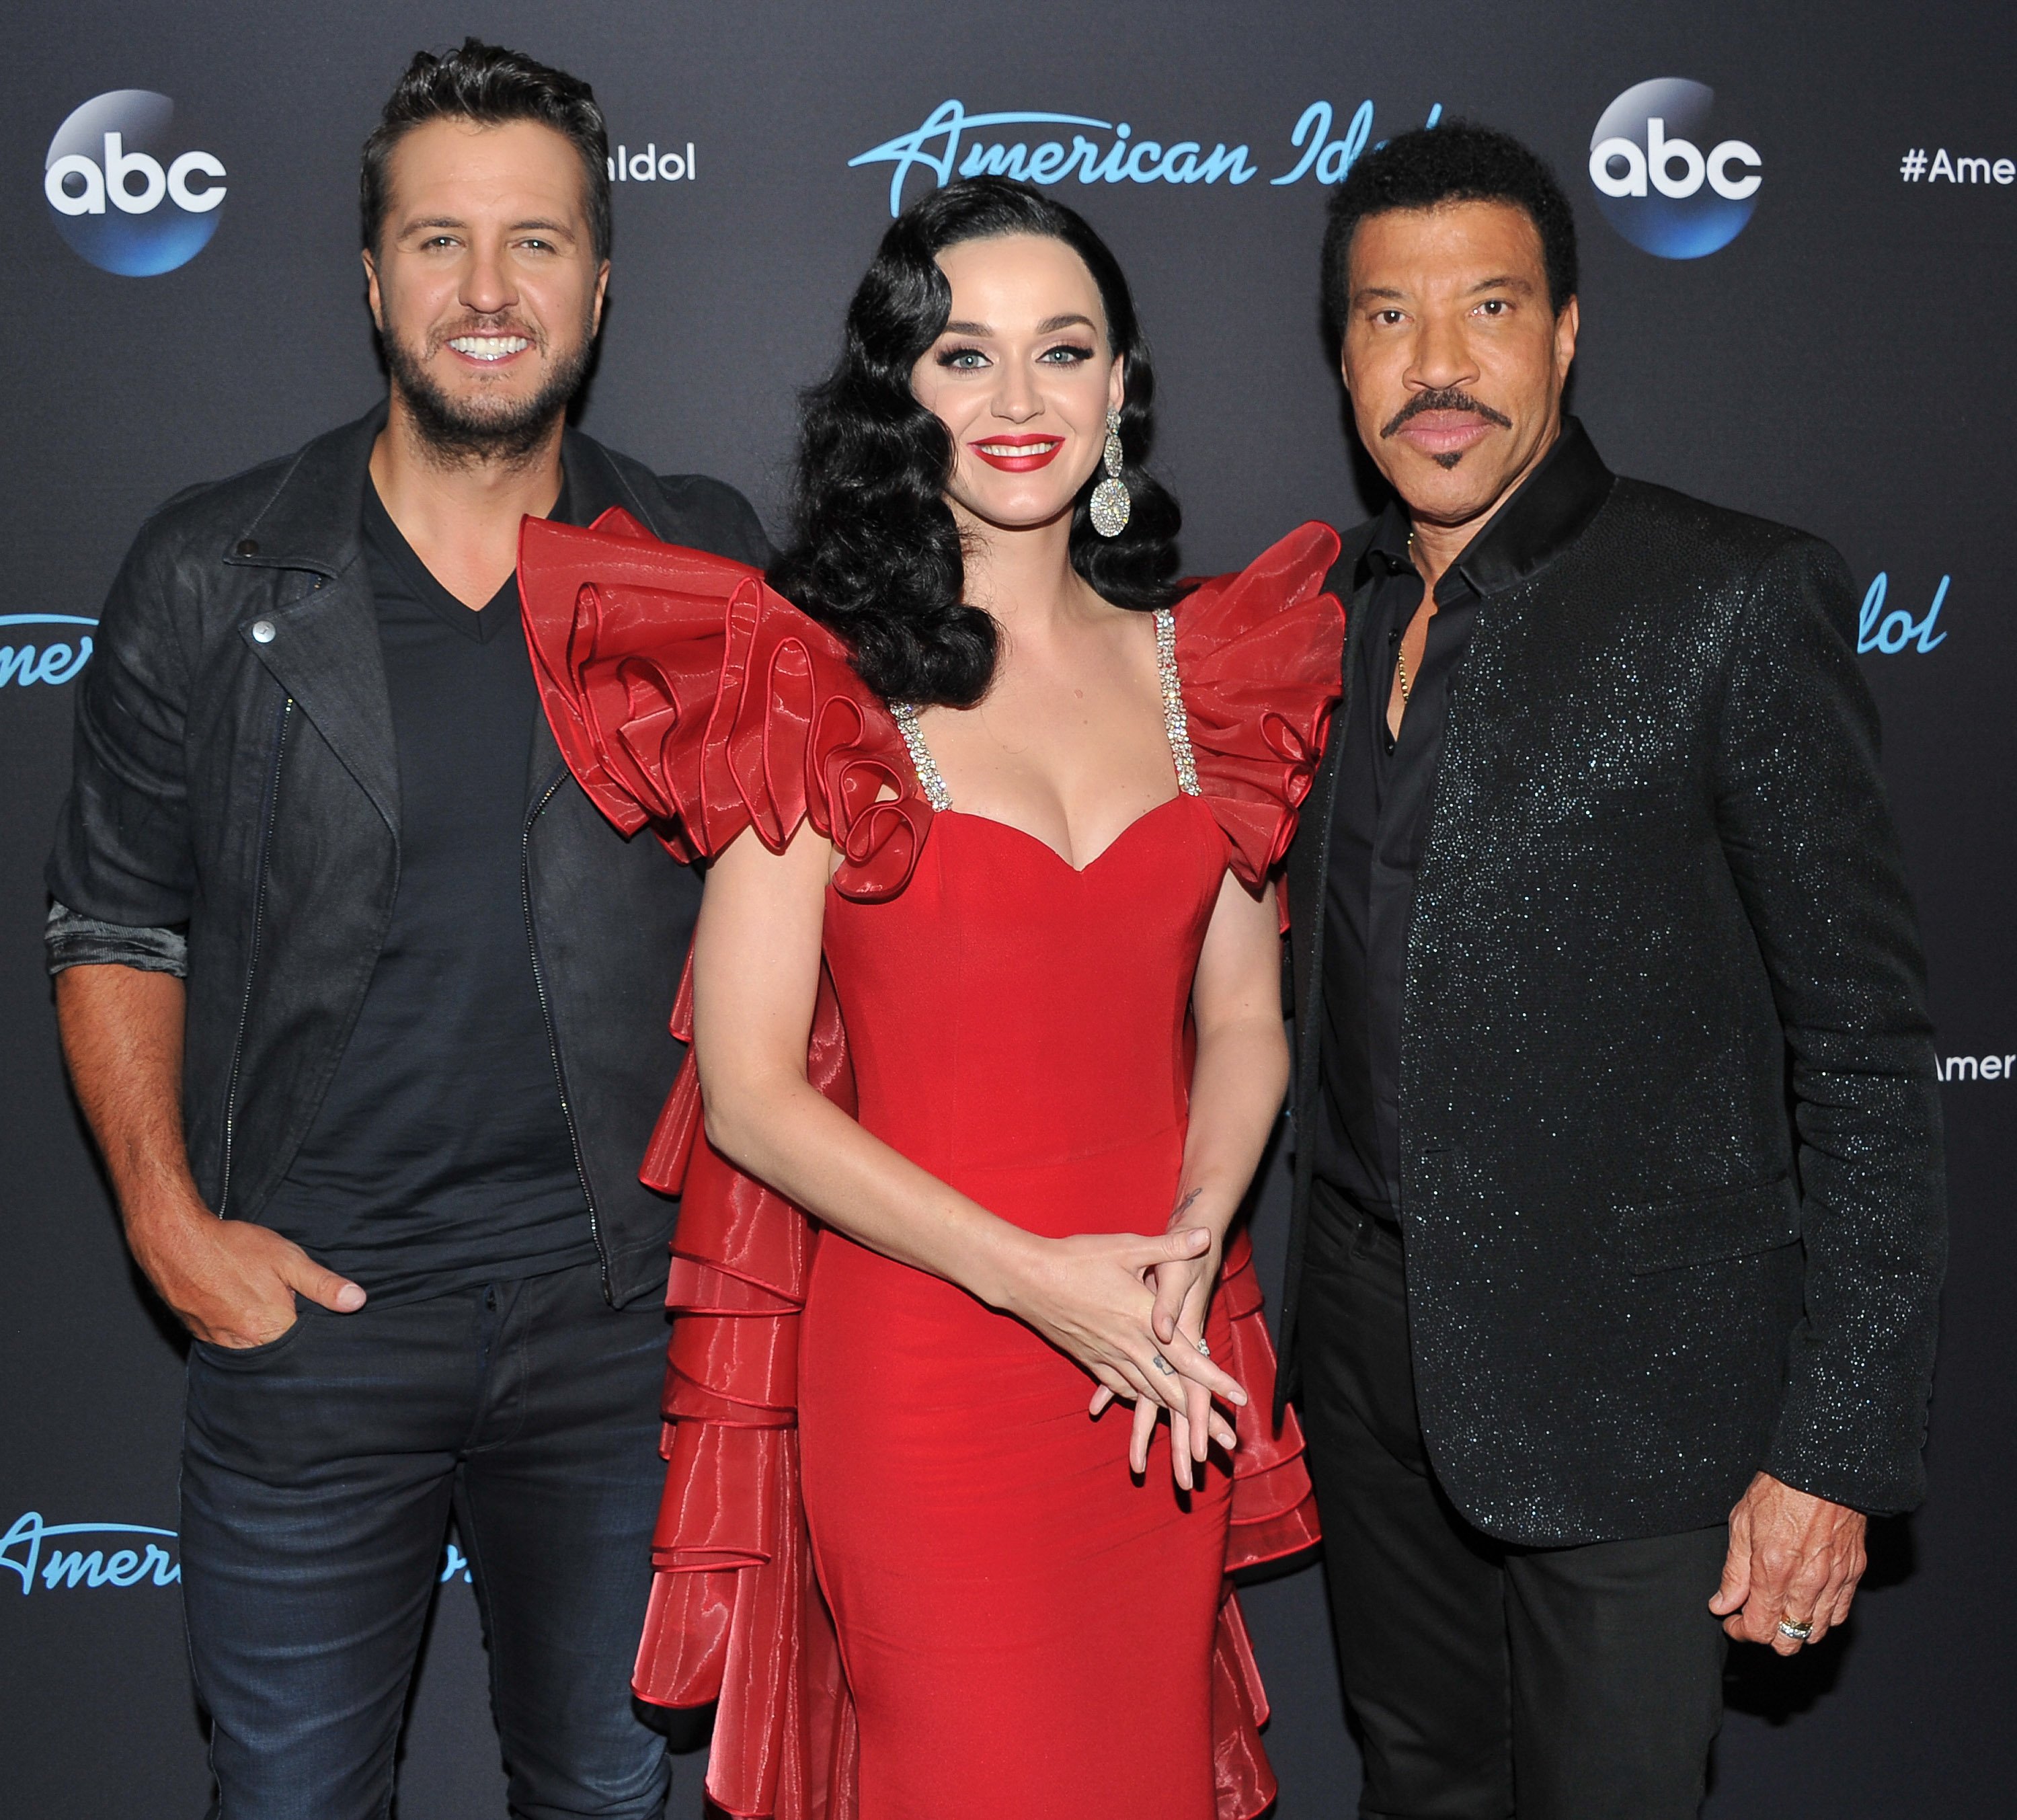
<point>459,432</point>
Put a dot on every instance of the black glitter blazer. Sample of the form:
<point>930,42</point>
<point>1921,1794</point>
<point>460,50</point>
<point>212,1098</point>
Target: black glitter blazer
<point>1672,1184</point>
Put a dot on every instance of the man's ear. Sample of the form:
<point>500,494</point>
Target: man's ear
<point>1568,321</point>
<point>371,296</point>
<point>601,291</point>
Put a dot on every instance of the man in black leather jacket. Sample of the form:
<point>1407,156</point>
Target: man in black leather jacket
<point>1618,1219</point>
<point>368,1005</point>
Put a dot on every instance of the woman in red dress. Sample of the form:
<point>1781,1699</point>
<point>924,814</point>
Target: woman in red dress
<point>993,997</point>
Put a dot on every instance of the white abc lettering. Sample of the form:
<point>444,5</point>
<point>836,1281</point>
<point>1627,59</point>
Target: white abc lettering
<point>193,164</point>
<point>1632,182</point>
<point>121,168</point>
<point>1661,152</point>
<point>644,165</point>
<point>1735,152</point>
<point>75,164</point>
<point>1658,160</point>
<point>121,164</point>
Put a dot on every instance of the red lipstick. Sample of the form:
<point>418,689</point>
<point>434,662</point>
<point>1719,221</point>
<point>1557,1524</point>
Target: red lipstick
<point>1030,453</point>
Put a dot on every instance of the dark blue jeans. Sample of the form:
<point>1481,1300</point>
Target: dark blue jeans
<point>319,1473</point>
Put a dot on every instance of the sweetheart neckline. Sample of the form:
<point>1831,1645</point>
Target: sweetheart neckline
<point>1037,841</point>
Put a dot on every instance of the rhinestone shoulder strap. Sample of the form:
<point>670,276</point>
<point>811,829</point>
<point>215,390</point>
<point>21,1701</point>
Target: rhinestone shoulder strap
<point>905,715</point>
<point>1175,724</point>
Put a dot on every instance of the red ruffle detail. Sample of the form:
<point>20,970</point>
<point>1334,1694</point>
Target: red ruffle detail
<point>735,1616</point>
<point>1260,656</point>
<point>685,693</point>
<point>1274,1516</point>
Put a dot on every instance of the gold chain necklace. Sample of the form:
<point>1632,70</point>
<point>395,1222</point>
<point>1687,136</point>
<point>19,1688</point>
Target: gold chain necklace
<point>1400,651</point>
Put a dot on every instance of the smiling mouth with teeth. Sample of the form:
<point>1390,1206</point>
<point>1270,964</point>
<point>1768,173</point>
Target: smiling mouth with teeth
<point>489,347</point>
<point>1018,454</point>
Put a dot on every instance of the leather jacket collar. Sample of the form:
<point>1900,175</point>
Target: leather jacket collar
<point>311,520</point>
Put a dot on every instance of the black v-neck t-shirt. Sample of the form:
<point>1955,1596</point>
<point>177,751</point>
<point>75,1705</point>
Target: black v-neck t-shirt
<point>440,1154</point>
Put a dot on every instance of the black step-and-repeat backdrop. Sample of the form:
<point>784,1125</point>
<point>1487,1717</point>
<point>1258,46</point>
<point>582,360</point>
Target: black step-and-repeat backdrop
<point>1800,232</point>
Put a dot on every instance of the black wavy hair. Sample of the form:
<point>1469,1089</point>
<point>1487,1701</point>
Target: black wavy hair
<point>876,555</point>
<point>491,85</point>
<point>1457,161</point>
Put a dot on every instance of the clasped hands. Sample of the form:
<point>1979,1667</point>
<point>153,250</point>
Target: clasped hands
<point>1117,1303</point>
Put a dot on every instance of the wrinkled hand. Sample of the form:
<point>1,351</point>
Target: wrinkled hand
<point>1090,1297</point>
<point>1792,1555</point>
<point>1183,1287</point>
<point>229,1282</point>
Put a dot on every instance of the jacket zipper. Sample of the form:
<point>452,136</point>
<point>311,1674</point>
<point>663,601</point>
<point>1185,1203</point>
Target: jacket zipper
<point>553,1036</point>
<point>252,957</point>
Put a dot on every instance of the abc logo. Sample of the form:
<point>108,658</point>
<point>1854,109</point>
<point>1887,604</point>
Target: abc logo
<point>1663,180</point>
<point>125,192</point>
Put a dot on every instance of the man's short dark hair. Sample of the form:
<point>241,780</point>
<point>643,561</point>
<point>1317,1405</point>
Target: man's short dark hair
<point>1454,162</point>
<point>490,85</point>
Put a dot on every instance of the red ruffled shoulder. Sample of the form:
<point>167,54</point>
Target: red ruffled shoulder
<point>1260,657</point>
<point>685,694</point>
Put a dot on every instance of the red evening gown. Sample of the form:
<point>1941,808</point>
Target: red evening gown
<point>993,1618</point>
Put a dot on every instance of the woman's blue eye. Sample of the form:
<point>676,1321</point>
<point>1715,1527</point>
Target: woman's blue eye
<point>1066,354</point>
<point>966,359</point>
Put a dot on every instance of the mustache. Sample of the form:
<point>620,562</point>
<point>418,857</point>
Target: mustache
<point>1447,399</point>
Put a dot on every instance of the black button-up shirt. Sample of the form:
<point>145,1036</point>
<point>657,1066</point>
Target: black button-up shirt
<point>1386,789</point>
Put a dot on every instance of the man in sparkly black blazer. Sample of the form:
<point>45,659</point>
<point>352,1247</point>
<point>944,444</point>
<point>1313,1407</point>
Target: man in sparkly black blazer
<point>1618,1212</point>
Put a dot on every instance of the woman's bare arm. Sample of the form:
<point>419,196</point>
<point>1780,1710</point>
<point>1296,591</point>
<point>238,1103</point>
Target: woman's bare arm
<point>756,967</point>
<point>1242,1071</point>
<point>1237,1085</point>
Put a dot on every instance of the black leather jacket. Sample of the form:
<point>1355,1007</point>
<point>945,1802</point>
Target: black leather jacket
<point>1672,1187</point>
<point>233,814</point>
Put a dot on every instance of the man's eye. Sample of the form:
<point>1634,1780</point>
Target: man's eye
<point>1388,316</point>
<point>1493,306</point>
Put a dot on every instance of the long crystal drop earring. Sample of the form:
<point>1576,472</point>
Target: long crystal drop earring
<point>1111,501</point>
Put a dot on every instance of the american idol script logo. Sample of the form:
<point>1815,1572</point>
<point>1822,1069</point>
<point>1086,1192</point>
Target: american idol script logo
<point>952,143</point>
<point>125,189</point>
<point>1892,630</point>
<point>38,657</point>
<point>53,1557</point>
<point>48,1557</point>
<point>1663,179</point>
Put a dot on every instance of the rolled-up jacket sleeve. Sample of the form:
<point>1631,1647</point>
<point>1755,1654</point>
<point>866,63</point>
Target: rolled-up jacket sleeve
<point>1810,841</point>
<point>71,940</point>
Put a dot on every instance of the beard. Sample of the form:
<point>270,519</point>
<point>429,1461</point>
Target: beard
<point>458,432</point>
